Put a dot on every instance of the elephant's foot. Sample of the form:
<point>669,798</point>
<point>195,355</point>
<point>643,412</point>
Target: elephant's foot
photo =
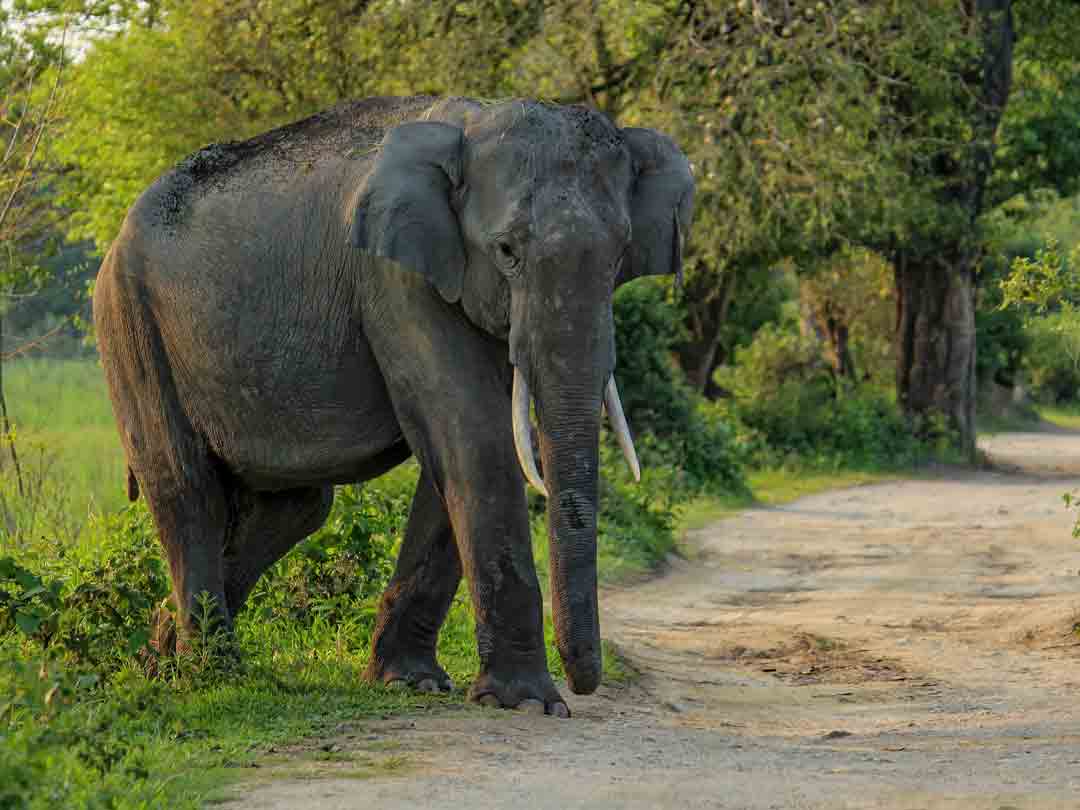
<point>534,693</point>
<point>418,671</point>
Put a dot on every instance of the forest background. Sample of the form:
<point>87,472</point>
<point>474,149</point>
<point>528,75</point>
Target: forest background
<point>875,180</point>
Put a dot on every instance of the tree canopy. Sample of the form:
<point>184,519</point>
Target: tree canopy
<point>815,127</point>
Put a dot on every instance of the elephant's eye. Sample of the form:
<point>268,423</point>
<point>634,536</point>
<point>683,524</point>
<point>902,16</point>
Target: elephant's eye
<point>504,251</point>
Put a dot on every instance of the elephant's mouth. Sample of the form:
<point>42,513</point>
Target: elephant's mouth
<point>523,429</point>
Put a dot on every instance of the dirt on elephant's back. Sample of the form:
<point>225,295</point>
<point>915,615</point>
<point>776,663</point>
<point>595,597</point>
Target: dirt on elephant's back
<point>902,645</point>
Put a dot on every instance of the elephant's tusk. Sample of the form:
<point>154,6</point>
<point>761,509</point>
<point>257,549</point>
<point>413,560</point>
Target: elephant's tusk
<point>523,432</point>
<point>618,424</point>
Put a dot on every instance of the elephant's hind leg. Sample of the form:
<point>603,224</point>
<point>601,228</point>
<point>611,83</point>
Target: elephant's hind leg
<point>191,512</point>
<point>265,526</point>
<point>416,601</point>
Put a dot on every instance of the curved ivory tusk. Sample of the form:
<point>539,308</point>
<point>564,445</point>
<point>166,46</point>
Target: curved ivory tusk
<point>618,424</point>
<point>523,432</point>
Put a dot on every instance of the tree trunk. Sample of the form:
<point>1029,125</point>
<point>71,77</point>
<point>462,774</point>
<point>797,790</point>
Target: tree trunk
<point>935,374</point>
<point>700,356</point>
<point>840,349</point>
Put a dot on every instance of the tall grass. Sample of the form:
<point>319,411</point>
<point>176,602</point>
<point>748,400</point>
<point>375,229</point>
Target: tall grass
<point>61,411</point>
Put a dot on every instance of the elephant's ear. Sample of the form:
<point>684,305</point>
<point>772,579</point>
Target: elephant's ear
<point>404,211</point>
<point>661,205</point>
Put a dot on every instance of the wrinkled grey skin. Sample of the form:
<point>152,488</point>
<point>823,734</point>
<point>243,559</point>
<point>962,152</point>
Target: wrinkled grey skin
<point>318,304</point>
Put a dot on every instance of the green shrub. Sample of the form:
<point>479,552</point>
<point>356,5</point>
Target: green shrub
<point>651,386</point>
<point>339,571</point>
<point>673,426</point>
<point>1052,361</point>
<point>788,407</point>
<point>63,745</point>
<point>778,387</point>
<point>90,611</point>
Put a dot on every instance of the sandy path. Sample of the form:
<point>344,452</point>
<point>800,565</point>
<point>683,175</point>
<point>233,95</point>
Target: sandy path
<point>904,645</point>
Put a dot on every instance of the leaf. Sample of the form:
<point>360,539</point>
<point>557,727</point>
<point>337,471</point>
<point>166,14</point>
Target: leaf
<point>27,579</point>
<point>28,622</point>
<point>137,641</point>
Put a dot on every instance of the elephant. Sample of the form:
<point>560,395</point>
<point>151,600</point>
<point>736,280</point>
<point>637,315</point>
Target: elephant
<point>396,277</point>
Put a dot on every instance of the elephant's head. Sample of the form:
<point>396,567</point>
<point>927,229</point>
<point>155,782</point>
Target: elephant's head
<point>530,215</point>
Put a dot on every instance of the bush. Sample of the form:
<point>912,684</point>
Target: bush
<point>63,745</point>
<point>788,406</point>
<point>647,328</point>
<point>91,612</point>
<point>636,524</point>
<point>673,426</point>
<point>1052,362</point>
<point>340,570</point>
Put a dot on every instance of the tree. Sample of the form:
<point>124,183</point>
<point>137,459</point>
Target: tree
<point>27,113</point>
<point>935,263</point>
<point>848,299</point>
<point>813,127</point>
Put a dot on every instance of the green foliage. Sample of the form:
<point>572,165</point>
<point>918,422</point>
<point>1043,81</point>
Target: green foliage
<point>1044,292</point>
<point>90,613</point>
<point>337,574</point>
<point>790,409</point>
<point>853,289</point>
<point>675,428</point>
<point>648,326</point>
<point>1045,281</point>
<point>63,746</point>
<point>1003,345</point>
<point>636,524</point>
<point>1037,147</point>
<point>1052,361</point>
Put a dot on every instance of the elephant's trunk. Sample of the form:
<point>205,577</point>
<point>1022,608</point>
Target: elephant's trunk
<point>569,449</point>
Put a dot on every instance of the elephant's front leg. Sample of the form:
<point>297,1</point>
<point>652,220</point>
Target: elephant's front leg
<point>488,510</point>
<point>450,386</point>
<point>476,470</point>
<point>416,601</point>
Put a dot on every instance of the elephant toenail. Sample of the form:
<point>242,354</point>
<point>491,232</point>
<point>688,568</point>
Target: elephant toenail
<point>560,710</point>
<point>531,706</point>
<point>397,685</point>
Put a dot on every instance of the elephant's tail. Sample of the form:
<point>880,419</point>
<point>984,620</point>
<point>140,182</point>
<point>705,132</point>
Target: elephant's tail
<point>133,486</point>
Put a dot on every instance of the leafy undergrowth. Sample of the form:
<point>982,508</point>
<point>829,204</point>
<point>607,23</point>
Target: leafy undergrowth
<point>82,726</point>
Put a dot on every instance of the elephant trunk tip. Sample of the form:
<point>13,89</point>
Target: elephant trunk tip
<point>583,675</point>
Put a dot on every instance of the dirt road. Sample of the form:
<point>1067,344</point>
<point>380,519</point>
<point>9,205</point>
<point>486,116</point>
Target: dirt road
<point>905,645</point>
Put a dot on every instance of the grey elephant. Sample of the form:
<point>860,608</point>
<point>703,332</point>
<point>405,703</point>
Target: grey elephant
<point>395,277</point>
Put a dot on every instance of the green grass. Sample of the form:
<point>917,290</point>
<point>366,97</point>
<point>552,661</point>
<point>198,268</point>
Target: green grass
<point>774,487</point>
<point>1064,416</point>
<point>65,431</point>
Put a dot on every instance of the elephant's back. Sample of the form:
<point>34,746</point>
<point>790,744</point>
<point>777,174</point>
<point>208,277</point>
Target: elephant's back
<point>246,269</point>
<point>348,131</point>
